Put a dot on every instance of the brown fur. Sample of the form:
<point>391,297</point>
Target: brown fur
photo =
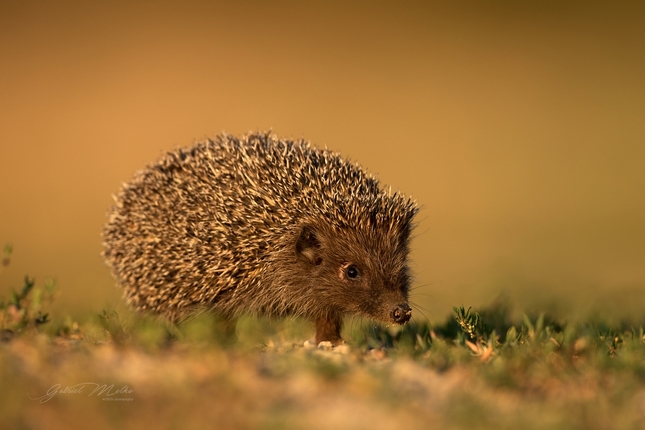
<point>265,226</point>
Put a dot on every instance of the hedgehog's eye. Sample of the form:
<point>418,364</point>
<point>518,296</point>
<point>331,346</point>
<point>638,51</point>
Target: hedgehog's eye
<point>352,272</point>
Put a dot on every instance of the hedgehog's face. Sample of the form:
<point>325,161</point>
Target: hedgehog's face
<point>356,272</point>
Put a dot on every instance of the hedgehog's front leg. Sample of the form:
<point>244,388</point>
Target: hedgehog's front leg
<point>228,325</point>
<point>328,329</point>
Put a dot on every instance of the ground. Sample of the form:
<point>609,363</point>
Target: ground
<point>125,371</point>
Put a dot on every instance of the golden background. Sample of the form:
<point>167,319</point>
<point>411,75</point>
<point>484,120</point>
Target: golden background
<point>520,128</point>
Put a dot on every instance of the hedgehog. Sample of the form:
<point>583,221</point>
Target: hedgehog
<point>262,226</point>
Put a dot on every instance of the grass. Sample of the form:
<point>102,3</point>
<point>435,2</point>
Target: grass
<point>480,369</point>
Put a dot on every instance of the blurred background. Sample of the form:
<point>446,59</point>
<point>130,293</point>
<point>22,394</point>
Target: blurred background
<point>519,126</point>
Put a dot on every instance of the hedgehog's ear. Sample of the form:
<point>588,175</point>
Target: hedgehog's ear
<point>308,246</point>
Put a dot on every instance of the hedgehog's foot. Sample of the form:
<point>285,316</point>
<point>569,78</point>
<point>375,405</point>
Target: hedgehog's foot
<point>328,329</point>
<point>227,330</point>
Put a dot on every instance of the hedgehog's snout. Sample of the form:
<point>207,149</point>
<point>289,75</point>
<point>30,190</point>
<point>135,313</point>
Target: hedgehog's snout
<point>401,313</point>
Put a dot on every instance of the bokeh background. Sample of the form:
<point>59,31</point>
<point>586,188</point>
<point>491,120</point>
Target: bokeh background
<point>519,126</point>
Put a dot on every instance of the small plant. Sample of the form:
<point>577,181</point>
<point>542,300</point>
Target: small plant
<point>24,309</point>
<point>6,259</point>
<point>471,324</point>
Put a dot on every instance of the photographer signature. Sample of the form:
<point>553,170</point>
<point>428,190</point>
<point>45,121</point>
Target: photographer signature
<point>108,391</point>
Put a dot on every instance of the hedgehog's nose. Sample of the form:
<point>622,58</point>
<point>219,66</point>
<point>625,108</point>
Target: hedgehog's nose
<point>401,313</point>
